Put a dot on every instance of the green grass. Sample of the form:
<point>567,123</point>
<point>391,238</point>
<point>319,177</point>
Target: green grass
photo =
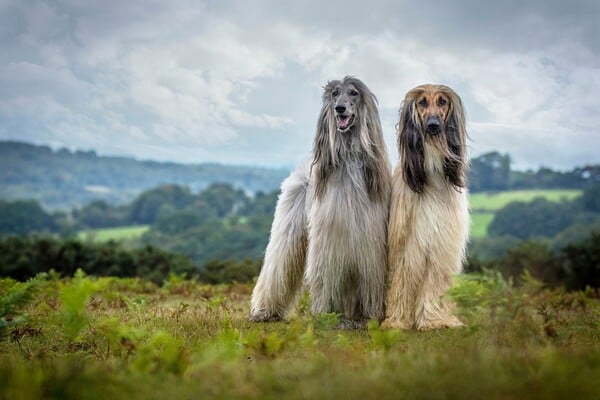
<point>484,205</point>
<point>495,201</point>
<point>480,222</point>
<point>128,339</point>
<point>118,233</point>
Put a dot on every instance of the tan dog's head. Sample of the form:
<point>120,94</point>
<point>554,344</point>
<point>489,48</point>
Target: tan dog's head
<point>432,114</point>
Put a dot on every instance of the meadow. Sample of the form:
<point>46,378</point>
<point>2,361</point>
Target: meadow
<point>93,338</point>
<point>118,233</point>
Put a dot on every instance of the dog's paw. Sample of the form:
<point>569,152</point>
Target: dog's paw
<point>350,324</point>
<point>450,322</point>
<point>264,317</point>
<point>392,323</point>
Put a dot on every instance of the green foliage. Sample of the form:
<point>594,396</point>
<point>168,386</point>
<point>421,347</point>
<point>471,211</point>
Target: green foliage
<point>591,198</point>
<point>100,214</point>
<point>574,266</point>
<point>490,172</point>
<point>24,257</point>
<point>161,353</point>
<point>13,296</point>
<point>520,342</point>
<point>229,271</point>
<point>74,296</point>
<point>581,263</point>
<point>326,320</point>
<point>534,257</point>
<point>539,217</point>
<point>146,207</point>
<point>384,339</point>
<point>491,248</point>
<point>23,217</point>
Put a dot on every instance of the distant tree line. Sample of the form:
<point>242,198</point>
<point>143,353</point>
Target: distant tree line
<point>23,257</point>
<point>64,179</point>
<point>492,172</point>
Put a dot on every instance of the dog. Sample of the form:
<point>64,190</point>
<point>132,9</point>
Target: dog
<point>429,215</point>
<point>330,225</point>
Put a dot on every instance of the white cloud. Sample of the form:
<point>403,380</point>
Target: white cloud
<point>240,82</point>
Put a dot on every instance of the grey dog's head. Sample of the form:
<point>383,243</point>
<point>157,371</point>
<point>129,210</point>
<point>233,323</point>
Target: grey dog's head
<point>344,99</point>
<point>349,127</point>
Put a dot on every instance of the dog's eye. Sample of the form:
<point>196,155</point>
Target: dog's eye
<point>353,93</point>
<point>423,103</point>
<point>335,93</point>
<point>442,101</point>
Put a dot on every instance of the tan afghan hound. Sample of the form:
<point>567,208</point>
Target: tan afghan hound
<point>330,224</point>
<point>429,216</point>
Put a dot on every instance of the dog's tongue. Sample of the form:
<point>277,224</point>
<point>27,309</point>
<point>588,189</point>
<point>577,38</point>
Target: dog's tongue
<point>343,121</point>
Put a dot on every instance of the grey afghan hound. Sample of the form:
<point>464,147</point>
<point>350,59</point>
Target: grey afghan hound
<point>429,216</point>
<point>330,224</point>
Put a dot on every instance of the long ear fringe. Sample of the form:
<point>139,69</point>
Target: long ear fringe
<point>411,148</point>
<point>455,166</point>
<point>375,163</point>
<point>323,151</point>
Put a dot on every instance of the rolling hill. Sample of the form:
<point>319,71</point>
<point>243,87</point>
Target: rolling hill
<point>62,179</point>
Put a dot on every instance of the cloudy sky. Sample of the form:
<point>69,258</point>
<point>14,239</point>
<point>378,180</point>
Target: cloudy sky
<point>239,81</point>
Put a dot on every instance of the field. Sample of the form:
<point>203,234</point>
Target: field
<point>497,200</point>
<point>90,338</point>
<point>484,205</point>
<point>118,233</point>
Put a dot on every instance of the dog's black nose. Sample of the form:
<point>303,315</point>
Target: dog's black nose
<point>340,109</point>
<point>433,124</point>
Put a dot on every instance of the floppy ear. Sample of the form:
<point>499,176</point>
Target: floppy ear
<point>324,149</point>
<point>374,155</point>
<point>454,163</point>
<point>411,148</point>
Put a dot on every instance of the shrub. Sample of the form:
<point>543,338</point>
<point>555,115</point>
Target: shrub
<point>581,263</point>
<point>24,257</point>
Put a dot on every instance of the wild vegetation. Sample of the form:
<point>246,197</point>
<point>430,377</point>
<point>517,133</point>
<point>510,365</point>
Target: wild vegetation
<point>90,338</point>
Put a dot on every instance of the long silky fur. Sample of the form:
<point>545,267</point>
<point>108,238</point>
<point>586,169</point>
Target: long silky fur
<point>330,224</point>
<point>429,217</point>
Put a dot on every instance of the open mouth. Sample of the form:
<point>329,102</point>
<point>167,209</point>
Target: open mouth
<point>344,122</point>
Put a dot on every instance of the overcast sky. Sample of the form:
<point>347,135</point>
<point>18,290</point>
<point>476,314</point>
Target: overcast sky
<point>240,82</point>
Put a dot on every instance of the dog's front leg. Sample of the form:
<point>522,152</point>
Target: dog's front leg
<point>285,257</point>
